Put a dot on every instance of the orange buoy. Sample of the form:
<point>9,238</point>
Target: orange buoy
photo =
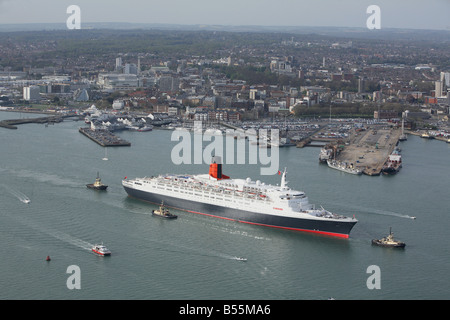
<point>48,258</point>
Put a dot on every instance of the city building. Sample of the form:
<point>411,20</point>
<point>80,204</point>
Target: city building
<point>439,88</point>
<point>361,85</point>
<point>385,114</point>
<point>118,64</point>
<point>130,68</point>
<point>31,93</point>
<point>169,83</point>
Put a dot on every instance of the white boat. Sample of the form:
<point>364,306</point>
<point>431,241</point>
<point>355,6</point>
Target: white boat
<point>105,158</point>
<point>100,249</point>
<point>145,128</point>
<point>240,259</point>
<point>325,154</point>
<point>342,166</point>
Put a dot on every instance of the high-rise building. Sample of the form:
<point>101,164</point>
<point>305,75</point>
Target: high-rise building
<point>361,85</point>
<point>139,66</point>
<point>439,88</point>
<point>169,83</point>
<point>31,93</point>
<point>130,69</point>
<point>118,64</point>
<point>445,78</point>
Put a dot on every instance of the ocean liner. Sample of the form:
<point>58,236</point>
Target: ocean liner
<point>242,200</point>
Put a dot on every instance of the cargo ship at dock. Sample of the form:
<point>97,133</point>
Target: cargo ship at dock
<point>393,164</point>
<point>242,200</point>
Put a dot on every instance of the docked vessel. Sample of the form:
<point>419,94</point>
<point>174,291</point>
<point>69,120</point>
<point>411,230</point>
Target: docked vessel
<point>100,249</point>
<point>388,241</point>
<point>163,212</point>
<point>342,166</point>
<point>97,185</point>
<point>393,164</point>
<point>242,200</point>
<point>145,128</point>
<point>325,155</point>
<point>426,135</point>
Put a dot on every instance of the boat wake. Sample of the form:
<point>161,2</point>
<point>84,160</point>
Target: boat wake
<point>46,178</point>
<point>19,195</point>
<point>71,240</point>
<point>380,212</point>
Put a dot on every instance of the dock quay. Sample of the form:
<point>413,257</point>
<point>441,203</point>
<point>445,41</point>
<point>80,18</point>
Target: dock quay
<point>369,150</point>
<point>11,124</point>
<point>104,137</point>
<point>427,134</point>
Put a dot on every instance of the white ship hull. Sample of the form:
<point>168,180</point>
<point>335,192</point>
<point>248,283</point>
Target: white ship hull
<point>341,167</point>
<point>240,200</point>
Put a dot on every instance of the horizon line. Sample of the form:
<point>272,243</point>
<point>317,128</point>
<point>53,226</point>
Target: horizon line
<point>203,25</point>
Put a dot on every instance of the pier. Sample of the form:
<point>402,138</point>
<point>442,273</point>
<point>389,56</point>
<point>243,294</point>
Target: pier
<point>104,137</point>
<point>369,150</point>
<point>11,124</point>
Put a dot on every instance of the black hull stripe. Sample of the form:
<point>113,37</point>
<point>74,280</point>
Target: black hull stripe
<point>332,227</point>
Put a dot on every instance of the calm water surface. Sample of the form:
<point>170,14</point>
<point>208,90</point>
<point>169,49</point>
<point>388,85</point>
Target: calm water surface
<point>193,257</point>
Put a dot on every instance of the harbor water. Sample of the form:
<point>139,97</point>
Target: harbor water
<point>194,256</point>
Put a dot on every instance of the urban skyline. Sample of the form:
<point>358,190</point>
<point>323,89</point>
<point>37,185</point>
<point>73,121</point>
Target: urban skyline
<point>415,14</point>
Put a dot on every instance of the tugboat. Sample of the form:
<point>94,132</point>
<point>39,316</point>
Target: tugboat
<point>100,249</point>
<point>97,185</point>
<point>388,241</point>
<point>163,212</point>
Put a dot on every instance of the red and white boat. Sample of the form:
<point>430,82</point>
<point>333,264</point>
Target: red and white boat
<point>100,249</point>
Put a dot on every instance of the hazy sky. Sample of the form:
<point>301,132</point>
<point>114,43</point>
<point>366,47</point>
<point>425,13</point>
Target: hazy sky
<point>417,14</point>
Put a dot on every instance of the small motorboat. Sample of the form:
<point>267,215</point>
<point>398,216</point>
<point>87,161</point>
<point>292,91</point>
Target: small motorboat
<point>100,249</point>
<point>163,212</point>
<point>97,185</point>
<point>240,259</point>
<point>389,241</point>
